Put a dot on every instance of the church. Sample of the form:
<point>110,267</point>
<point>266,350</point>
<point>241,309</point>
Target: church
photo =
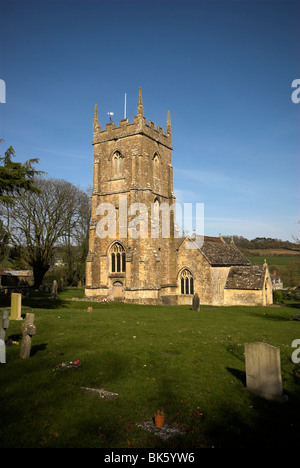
<point>136,254</point>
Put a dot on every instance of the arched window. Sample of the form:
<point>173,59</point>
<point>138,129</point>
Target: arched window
<point>118,258</point>
<point>117,164</point>
<point>156,210</point>
<point>155,219</point>
<point>186,282</point>
<point>156,165</point>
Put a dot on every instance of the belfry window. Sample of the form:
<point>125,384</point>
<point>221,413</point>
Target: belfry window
<point>186,282</point>
<point>156,165</point>
<point>117,163</point>
<point>156,210</point>
<point>118,259</point>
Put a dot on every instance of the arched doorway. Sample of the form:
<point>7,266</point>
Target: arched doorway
<point>118,291</point>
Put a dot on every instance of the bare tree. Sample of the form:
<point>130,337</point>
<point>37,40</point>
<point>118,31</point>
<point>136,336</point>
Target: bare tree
<point>38,221</point>
<point>74,245</point>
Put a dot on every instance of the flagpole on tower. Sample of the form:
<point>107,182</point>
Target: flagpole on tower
<point>125,107</point>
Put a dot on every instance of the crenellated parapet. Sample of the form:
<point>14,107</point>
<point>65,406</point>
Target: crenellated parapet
<point>140,125</point>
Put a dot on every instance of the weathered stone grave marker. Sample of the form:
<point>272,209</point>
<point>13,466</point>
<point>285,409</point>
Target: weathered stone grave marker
<point>196,302</point>
<point>16,306</point>
<point>28,329</point>
<point>4,323</point>
<point>263,371</point>
<point>90,309</point>
<point>99,392</point>
<point>54,290</point>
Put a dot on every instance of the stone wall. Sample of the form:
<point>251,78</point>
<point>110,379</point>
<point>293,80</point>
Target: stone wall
<point>194,261</point>
<point>243,297</point>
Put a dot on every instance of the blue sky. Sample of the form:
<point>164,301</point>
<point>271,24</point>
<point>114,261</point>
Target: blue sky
<point>223,68</point>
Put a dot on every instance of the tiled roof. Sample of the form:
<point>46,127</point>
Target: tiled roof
<point>246,277</point>
<point>217,252</point>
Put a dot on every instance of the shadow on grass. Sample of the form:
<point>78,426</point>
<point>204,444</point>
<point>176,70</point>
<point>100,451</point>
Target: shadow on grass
<point>260,423</point>
<point>35,302</point>
<point>34,349</point>
<point>43,302</point>
<point>37,348</point>
<point>269,424</point>
<point>99,423</point>
<point>238,374</point>
<point>16,337</point>
<point>270,314</point>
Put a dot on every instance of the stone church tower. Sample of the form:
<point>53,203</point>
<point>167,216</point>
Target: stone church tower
<point>129,260</point>
<point>135,254</point>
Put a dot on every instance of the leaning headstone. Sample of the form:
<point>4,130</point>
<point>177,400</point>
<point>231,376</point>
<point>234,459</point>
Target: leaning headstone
<point>90,309</point>
<point>54,290</point>
<point>196,302</point>
<point>60,286</point>
<point>28,329</point>
<point>4,323</point>
<point>16,305</point>
<point>263,371</point>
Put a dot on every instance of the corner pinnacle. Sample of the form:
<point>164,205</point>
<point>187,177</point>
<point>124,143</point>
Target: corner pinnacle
<point>169,126</point>
<point>96,119</point>
<point>140,103</point>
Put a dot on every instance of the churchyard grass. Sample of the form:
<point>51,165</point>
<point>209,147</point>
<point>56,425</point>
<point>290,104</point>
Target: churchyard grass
<point>189,363</point>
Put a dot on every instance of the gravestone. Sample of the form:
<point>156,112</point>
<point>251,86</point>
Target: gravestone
<point>99,392</point>
<point>263,370</point>
<point>28,329</point>
<point>4,323</point>
<point>90,309</point>
<point>54,290</point>
<point>196,302</point>
<point>16,305</point>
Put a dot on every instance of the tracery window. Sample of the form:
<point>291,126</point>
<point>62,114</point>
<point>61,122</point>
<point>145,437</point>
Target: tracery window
<point>117,164</point>
<point>118,258</point>
<point>186,282</point>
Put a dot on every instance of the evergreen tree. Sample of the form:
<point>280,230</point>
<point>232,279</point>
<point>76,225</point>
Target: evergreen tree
<point>15,176</point>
